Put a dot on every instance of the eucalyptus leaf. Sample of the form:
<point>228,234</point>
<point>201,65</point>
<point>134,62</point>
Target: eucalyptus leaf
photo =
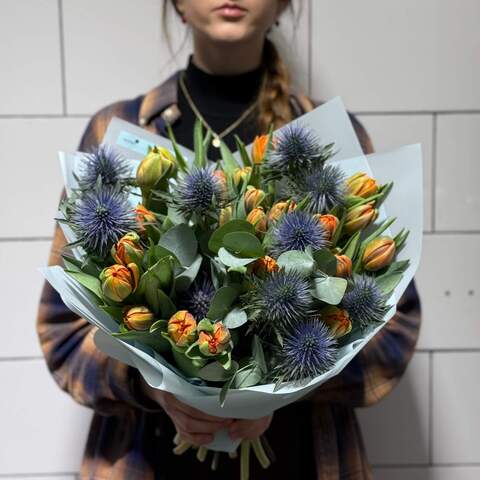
<point>154,340</point>
<point>186,278</point>
<point>329,289</point>
<point>296,260</point>
<point>229,162</point>
<point>235,318</point>
<point>326,261</point>
<point>88,281</point>
<point>243,244</point>
<point>258,354</point>
<point>167,307</point>
<point>222,301</point>
<point>214,372</point>
<point>181,241</point>
<point>216,240</point>
<point>248,377</point>
<point>231,260</point>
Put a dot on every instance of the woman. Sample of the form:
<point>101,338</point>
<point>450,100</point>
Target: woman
<point>236,82</point>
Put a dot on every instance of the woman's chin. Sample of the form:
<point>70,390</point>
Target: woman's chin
<point>230,32</point>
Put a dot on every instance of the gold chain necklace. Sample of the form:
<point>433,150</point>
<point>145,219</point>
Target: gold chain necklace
<point>216,136</point>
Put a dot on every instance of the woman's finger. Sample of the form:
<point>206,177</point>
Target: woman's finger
<point>199,415</point>
<point>193,425</point>
<point>195,438</point>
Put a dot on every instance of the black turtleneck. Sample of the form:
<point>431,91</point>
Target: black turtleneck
<point>221,99</point>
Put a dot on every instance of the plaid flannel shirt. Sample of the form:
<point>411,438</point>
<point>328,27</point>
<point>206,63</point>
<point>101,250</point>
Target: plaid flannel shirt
<point>121,430</point>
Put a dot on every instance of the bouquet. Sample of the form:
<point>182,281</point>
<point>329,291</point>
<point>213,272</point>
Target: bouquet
<point>241,285</point>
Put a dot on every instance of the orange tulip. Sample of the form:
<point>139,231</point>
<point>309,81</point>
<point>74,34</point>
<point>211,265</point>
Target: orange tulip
<point>337,320</point>
<point>361,185</point>
<point>127,249</point>
<point>138,318</point>
<point>119,281</point>
<point>329,222</point>
<point>378,253</point>
<point>344,266</point>
<point>212,343</point>
<point>259,148</point>
<point>182,328</point>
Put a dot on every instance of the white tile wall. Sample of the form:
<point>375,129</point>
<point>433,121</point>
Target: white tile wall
<point>29,156</point>
<point>39,423</point>
<point>407,405</point>
<point>457,185</point>
<point>30,57</point>
<point>392,131</point>
<point>410,67</point>
<point>448,284</point>
<point>455,399</point>
<point>20,261</point>
<point>408,55</point>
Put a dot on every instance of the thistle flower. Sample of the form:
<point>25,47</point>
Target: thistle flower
<point>298,230</point>
<point>364,301</point>
<point>104,162</point>
<point>308,350</point>
<point>198,191</point>
<point>325,188</point>
<point>297,149</point>
<point>198,297</point>
<point>100,218</point>
<point>278,300</point>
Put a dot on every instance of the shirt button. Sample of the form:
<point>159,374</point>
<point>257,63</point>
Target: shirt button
<point>143,121</point>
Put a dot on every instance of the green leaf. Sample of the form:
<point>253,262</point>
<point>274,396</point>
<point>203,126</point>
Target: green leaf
<point>186,278</point>
<point>114,312</point>
<point>243,152</point>
<point>351,247</point>
<point>188,366</point>
<point>243,244</point>
<point>231,260</point>
<point>216,240</point>
<point>296,260</point>
<point>226,387</point>
<point>181,162</point>
<point>229,162</point>
<point>235,318</point>
<point>388,283</point>
<point>326,261</point>
<point>167,307</point>
<point>222,302</point>
<point>248,377</point>
<point>329,289</point>
<point>214,372</point>
<point>158,325</point>
<point>88,281</point>
<point>154,340</point>
<point>181,241</point>
<point>198,144</point>
<point>72,264</point>
<point>257,353</point>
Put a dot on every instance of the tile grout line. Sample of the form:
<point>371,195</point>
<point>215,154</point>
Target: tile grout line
<point>310,48</point>
<point>25,239</point>
<point>41,116</point>
<point>62,57</point>
<point>430,409</point>
<point>416,112</point>
<point>36,475</point>
<point>434,171</point>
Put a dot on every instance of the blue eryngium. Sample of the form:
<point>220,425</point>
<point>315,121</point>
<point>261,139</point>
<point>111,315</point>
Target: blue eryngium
<point>279,300</point>
<point>308,350</point>
<point>298,230</point>
<point>198,191</point>
<point>104,162</point>
<point>100,218</point>
<point>364,301</point>
<point>198,297</point>
<point>325,188</point>
<point>297,148</point>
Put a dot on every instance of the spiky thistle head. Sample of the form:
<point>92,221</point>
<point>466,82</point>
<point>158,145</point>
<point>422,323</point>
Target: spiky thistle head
<point>104,162</point>
<point>364,301</point>
<point>198,297</point>
<point>278,300</point>
<point>100,218</point>
<point>198,191</point>
<point>297,148</point>
<point>298,230</point>
<point>325,188</point>
<point>308,350</point>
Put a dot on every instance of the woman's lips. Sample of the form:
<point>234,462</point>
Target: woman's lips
<point>231,11</point>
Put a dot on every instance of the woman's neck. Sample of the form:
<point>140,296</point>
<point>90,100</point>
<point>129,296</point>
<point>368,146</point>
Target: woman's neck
<point>227,58</point>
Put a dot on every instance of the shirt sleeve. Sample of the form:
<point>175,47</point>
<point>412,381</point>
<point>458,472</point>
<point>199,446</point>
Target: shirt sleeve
<point>91,377</point>
<point>378,367</point>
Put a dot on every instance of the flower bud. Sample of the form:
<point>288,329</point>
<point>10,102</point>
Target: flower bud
<point>360,217</point>
<point>222,179</point>
<point>215,340</point>
<point>241,174</point>
<point>127,249</point>
<point>378,253</point>
<point>259,149</point>
<point>157,163</point>
<point>344,266</point>
<point>138,318</point>
<point>182,328</point>
<point>258,219</point>
<point>279,208</point>
<point>329,222</point>
<point>262,266</point>
<point>119,281</point>
<point>253,198</point>
<point>337,320</point>
<point>143,216</point>
<point>361,185</point>
<point>225,215</point>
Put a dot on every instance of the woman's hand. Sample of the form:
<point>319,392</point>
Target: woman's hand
<point>249,429</point>
<point>192,425</point>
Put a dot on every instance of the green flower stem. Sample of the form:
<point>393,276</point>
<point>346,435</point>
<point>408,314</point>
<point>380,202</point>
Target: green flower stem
<point>202,453</point>
<point>176,439</point>
<point>260,453</point>
<point>245,460</point>
<point>181,448</point>
<point>233,454</point>
<point>215,459</point>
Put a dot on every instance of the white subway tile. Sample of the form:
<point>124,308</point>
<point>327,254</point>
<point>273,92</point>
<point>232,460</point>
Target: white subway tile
<point>409,55</point>
<point>455,397</point>
<point>31,172</point>
<point>396,430</point>
<point>447,281</point>
<point>40,477</point>
<point>21,286</point>
<point>30,82</point>
<point>43,430</point>
<point>458,173</point>
<point>427,473</point>
<point>392,131</point>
